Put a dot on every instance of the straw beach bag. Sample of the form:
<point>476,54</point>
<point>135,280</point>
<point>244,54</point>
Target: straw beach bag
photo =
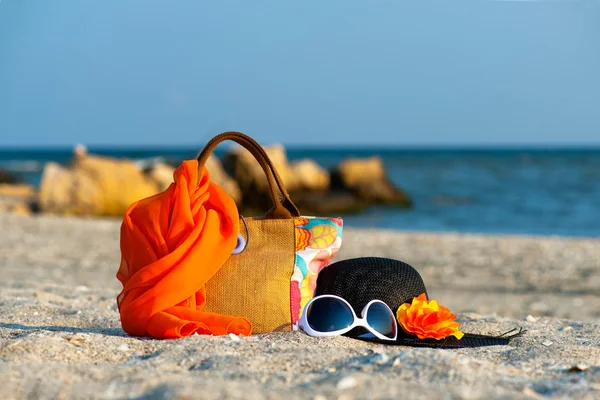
<point>273,271</point>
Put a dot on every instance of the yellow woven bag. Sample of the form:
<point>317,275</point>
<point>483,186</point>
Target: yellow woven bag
<point>274,275</point>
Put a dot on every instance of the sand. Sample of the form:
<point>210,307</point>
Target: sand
<point>60,334</point>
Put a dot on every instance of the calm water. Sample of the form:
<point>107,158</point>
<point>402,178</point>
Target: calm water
<point>519,191</point>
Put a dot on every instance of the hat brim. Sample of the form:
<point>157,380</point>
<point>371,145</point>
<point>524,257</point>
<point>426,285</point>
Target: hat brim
<point>468,340</point>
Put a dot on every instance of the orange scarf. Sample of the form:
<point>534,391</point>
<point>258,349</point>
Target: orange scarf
<point>171,245</point>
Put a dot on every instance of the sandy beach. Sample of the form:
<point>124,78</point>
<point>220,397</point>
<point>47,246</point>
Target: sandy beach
<point>60,335</point>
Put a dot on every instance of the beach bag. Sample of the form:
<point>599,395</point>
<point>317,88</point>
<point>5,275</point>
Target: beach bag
<point>273,272</point>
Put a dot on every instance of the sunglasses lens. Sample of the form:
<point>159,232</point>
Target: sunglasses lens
<point>328,314</point>
<point>380,319</point>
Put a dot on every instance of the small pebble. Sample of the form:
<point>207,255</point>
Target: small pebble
<point>234,337</point>
<point>347,382</point>
<point>567,328</point>
<point>547,343</point>
<point>578,368</point>
<point>76,340</point>
<point>383,358</point>
<point>123,347</point>
<point>531,393</point>
<point>530,318</point>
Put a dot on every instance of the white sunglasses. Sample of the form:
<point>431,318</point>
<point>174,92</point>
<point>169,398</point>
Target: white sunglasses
<point>330,315</point>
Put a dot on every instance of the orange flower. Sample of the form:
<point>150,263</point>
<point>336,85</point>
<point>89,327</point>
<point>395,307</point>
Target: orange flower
<point>427,319</point>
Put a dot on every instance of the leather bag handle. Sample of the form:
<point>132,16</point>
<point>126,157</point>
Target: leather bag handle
<point>281,209</point>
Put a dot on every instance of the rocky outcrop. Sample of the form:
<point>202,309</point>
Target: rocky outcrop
<point>220,177</point>
<point>17,198</point>
<point>332,203</point>
<point>7,177</point>
<point>102,186</point>
<point>17,191</point>
<point>309,176</point>
<point>368,180</point>
<point>298,177</point>
<point>93,185</point>
<point>247,172</point>
<point>161,175</point>
<point>351,187</point>
<point>63,191</point>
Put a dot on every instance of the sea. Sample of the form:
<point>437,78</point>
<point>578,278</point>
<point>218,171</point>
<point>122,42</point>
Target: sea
<point>528,191</point>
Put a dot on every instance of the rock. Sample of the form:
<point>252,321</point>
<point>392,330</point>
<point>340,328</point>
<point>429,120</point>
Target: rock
<point>355,183</point>
<point>247,172</point>
<point>347,382</point>
<point>7,177</point>
<point>161,174</point>
<point>278,156</point>
<point>17,199</point>
<point>93,185</point>
<point>235,337</point>
<point>18,190</point>
<point>309,176</point>
<point>64,191</point>
<point>20,208</point>
<point>368,179</point>
<point>354,171</point>
<point>330,203</point>
<point>80,151</point>
<point>220,177</point>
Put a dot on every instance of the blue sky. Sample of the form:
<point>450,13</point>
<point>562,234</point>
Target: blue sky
<point>419,72</point>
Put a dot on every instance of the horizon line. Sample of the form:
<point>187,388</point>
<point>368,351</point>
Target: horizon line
<point>318,147</point>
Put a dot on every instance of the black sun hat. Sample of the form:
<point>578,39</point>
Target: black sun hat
<point>394,282</point>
